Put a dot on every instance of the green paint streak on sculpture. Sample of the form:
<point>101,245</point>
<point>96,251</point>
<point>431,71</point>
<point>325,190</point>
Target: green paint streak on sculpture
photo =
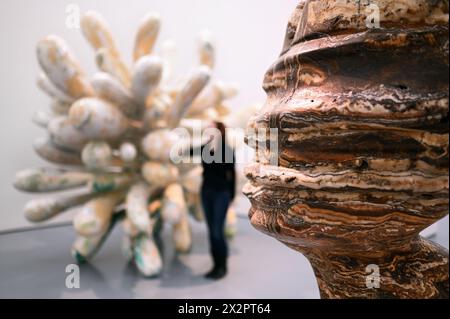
<point>104,184</point>
<point>117,217</point>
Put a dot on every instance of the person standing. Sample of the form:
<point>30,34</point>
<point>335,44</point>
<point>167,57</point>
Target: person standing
<point>217,193</point>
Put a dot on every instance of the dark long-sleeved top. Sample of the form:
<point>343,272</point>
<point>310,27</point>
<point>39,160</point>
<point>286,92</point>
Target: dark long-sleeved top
<point>219,171</point>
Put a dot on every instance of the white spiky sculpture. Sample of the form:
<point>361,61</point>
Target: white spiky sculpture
<point>112,136</point>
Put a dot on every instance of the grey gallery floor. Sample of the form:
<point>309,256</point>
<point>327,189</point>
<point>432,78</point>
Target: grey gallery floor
<point>33,264</point>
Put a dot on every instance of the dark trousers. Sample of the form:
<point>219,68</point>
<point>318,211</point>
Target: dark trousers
<point>215,205</point>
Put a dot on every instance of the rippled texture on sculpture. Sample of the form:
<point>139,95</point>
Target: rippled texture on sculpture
<point>363,157</point>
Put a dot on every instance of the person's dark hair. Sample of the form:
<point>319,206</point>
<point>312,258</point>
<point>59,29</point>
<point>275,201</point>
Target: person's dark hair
<point>221,127</point>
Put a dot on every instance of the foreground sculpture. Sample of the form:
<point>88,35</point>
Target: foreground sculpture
<point>112,136</point>
<point>362,119</point>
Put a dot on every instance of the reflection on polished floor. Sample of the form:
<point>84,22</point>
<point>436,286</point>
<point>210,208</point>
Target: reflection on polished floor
<point>33,263</point>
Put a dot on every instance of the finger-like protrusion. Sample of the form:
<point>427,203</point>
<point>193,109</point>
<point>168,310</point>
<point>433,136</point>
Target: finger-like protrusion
<point>146,76</point>
<point>95,216</point>
<point>146,35</point>
<point>228,90</point>
<point>59,108</point>
<point>213,96</point>
<point>110,89</point>
<point>96,31</point>
<point>52,91</point>
<point>206,116</point>
<point>182,234</point>
<point>98,119</point>
<point>188,94</point>
<point>158,145</point>
<point>159,174</point>
<point>128,152</point>
<point>208,98</point>
<point>46,149</point>
<point>97,155</point>
<point>136,206</point>
<point>174,204</point>
<point>41,118</point>
<point>146,256</point>
<point>156,111</point>
<point>206,49</point>
<point>65,135</point>
<point>61,67</point>
<point>129,228</point>
<point>222,110</point>
<point>192,180</point>
<point>107,61</point>
<point>42,180</point>
<point>42,209</point>
<point>169,56</point>
<point>195,206</point>
<point>84,248</point>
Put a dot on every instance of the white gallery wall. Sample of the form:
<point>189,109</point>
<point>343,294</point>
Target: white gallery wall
<point>248,34</point>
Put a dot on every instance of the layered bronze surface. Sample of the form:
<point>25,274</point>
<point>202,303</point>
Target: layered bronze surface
<point>362,119</point>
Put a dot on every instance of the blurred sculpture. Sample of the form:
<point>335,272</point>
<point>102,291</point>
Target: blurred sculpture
<point>362,119</point>
<point>112,136</point>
